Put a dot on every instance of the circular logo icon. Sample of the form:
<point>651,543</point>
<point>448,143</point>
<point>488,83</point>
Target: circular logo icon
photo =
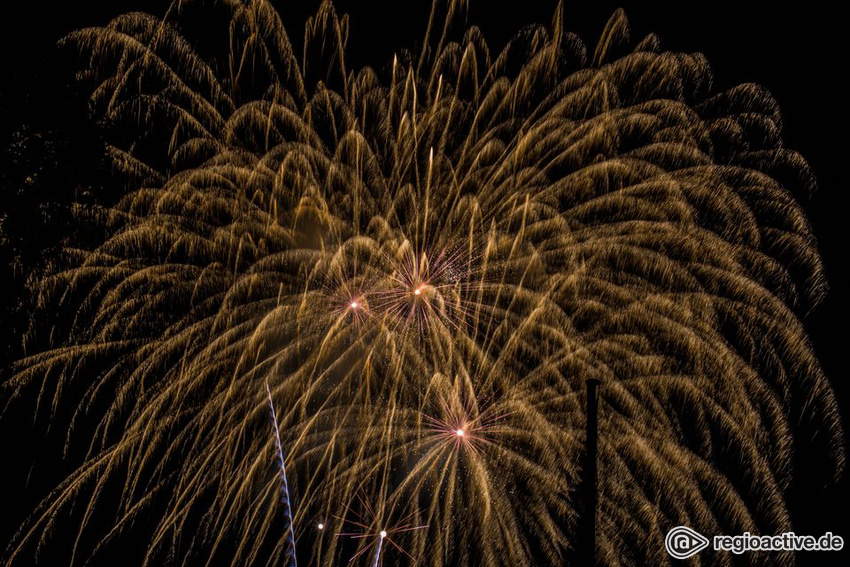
<point>683,542</point>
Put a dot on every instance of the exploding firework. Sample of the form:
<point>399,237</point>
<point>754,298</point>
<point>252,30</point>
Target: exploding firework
<point>424,265</point>
<point>363,524</point>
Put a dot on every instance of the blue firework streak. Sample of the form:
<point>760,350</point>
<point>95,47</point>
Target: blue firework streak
<point>284,483</point>
<point>376,560</point>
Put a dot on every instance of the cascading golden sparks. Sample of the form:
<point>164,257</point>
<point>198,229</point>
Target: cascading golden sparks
<point>425,265</point>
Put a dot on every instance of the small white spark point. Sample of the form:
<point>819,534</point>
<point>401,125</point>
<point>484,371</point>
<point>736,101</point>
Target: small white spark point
<point>418,291</point>
<point>321,526</point>
<point>383,534</point>
<point>354,305</point>
<point>460,433</point>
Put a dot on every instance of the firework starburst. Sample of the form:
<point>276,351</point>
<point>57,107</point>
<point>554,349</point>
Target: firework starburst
<point>420,268</point>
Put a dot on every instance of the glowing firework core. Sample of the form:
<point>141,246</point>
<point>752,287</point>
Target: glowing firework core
<point>321,526</point>
<point>418,290</point>
<point>383,534</point>
<point>354,304</point>
<point>460,432</point>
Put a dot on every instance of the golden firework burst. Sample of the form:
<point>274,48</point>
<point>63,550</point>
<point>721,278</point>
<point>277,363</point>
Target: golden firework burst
<point>425,265</point>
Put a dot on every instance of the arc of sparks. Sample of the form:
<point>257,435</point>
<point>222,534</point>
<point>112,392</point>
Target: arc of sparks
<point>290,529</point>
<point>620,219</point>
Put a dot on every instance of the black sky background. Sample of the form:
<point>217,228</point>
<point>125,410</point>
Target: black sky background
<point>798,52</point>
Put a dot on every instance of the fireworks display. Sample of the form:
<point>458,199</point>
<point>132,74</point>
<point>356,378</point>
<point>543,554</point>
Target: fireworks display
<point>416,269</point>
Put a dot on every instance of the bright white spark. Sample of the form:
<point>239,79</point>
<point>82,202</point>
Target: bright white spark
<point>383,534</point>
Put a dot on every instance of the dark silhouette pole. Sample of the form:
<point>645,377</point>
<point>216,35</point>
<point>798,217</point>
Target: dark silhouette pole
<point>591,472</point>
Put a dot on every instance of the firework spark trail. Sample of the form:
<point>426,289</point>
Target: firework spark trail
<point>383,534</point>
<point>376,560</point>
<point>428,264</point>
<point>290,526</point>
